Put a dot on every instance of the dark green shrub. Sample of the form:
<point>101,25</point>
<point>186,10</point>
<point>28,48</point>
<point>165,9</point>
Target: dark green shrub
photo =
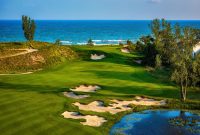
<point>90,42</point>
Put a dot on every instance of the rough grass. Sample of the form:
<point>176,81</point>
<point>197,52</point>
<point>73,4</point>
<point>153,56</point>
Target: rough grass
<point>46,56</point>
<point>32,104</point>
<point>10,52</point>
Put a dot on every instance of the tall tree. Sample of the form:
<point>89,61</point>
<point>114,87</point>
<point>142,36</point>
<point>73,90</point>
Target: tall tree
<point>163,35</point>
<point>182,61</point>
<point>28,26</point>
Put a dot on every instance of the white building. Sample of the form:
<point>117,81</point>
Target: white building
<point>196,49</point>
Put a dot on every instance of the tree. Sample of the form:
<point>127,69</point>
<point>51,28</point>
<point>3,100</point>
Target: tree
<point>58,42</point>
<point>147,46</point>
<point>196,71</point>
<point>121,44</point>
<point>142,43</point>
<point>164,39</point>
<point>155,28</point>
<point>172,47</point>
<point>139,46</point>
<point>130,46</point>
<point>182,60</point>
<point>28,26</point>
<point>90,42</point>
<point>197,33</point>
<point>145,40</point>
<point>129,42</point>
<point>180,73</point>
<point>150,51</point>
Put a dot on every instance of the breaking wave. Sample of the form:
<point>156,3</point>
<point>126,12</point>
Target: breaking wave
<point>96,42</point>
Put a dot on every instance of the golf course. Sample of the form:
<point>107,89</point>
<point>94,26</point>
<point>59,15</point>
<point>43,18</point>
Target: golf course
<point>99,67</point>
<point>33,103</point>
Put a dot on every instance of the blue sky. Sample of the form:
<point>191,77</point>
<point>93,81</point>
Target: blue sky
<point>101,9</point>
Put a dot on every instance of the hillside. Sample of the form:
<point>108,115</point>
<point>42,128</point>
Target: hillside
<point>23,57</point>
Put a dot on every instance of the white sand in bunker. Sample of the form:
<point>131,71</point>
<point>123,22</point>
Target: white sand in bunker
<point>118,106</point>
<point>125,50</point>
<point>75,96</point>
<point>91,120</point>
<point>97,57</point>
<point>84,88</point>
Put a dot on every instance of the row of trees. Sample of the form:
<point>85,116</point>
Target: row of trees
<point>172,46</point>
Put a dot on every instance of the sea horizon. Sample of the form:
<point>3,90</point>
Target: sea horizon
<point>77,32</point>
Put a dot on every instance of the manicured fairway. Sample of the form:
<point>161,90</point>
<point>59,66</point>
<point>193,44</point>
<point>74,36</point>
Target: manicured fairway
<point>33,104</point>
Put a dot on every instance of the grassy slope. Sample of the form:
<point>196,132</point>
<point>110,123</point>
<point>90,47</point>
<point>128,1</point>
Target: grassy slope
<point>32,104</point>
<point>46,56</point>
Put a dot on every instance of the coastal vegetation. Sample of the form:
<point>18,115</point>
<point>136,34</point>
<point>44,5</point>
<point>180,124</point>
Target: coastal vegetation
<point>171,47</point>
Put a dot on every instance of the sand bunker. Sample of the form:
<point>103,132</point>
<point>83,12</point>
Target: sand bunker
<point>97,106</point>
<point>118,106</point>
<point>97,57</point>
<point>75,96</point>
<point>125,50</point>
<point>94,121</point>
<point>84,88</point>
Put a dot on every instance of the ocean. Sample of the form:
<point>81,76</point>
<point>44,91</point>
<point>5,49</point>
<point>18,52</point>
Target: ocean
<point>78,32</point>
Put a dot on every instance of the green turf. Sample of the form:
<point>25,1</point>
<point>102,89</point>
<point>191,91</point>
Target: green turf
<point>33,104</point>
